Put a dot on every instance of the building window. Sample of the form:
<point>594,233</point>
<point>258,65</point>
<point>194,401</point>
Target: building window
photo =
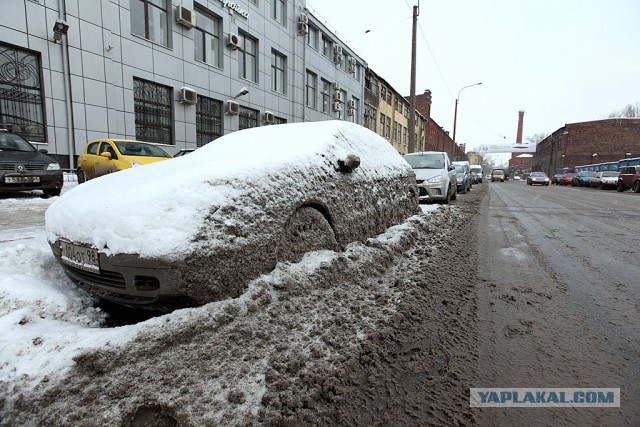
<point>326,96</point>
<point>278,67</point>
<point>208,120</point>
<point>383,93</point>
<point>21,101</point>
<point>152,105</point>
<point>312,84</point>
<point>387,133</point>
<point>312,37</point>
<point>254,2</point>
<point>396,137</point>
<point>206,37</point>
<point>340,114</point>
<point>248,61</point>
<point>405,135</point>
<point>344,60</point>
<point>279,121</point>
<point>355,113</point>
<point>248,118</point>
<point>150,19</point>
<point>327,46</point>
<point>279,11</point>
<point>383,120</point>
<point>358,72</point>
<point>370,118</point>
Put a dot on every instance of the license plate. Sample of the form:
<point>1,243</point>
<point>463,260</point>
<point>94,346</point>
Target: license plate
<point>21,179</point>
<point>82,257</point>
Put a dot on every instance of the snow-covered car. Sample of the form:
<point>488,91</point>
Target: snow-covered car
<point>198,228</point>
<point>25,168</point>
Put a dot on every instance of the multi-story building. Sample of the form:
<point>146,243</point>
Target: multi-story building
<point>436,138</point>
<point>174,72</point>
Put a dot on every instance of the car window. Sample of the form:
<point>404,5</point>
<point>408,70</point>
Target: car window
<point>93,148</point>
<point>106,147</point>
<point>129,148</point>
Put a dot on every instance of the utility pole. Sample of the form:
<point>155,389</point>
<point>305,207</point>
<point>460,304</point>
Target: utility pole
<point>412,95</point>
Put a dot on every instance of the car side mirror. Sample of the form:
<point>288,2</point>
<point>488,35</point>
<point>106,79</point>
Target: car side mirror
<point>451,168</point>
<point>43,151</point>
<point>348,164</point>
<point>106,154</point>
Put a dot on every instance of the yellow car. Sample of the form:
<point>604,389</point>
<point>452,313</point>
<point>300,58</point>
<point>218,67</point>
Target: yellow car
<point>111,155</point>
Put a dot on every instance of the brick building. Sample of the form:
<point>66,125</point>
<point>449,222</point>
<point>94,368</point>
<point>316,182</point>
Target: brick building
<point>585,143</point>
<point>436,138</point>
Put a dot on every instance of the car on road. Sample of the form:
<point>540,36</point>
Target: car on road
<point>25,168</point>
<point>566,178</point>
<point>476,174</point>
<point>629,178</point>
<point>538,178</point>
<point>435,176</point>
<point>199,227</point>
<point>106,156</point>
<point>498,175</point>
<point>517,178</point>
<point>583,179</point>
<point>463,179</point>
<point>605,180</point>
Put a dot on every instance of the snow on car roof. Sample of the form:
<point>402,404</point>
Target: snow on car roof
<point>156,209</point>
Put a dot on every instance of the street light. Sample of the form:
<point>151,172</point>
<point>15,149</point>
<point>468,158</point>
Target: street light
<point>593,157</point>
<point>455,114</point>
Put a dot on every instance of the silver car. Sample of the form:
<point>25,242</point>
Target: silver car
<point>435,176</point>
<point>605,179</point>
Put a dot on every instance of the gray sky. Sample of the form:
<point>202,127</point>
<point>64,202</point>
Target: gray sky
<point>561,61</point>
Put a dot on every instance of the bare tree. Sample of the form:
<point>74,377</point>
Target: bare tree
<point>536,137</point>
<point>630,111</point>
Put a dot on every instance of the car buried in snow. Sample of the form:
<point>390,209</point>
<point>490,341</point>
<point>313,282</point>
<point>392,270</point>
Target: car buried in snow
<point>199,227</point>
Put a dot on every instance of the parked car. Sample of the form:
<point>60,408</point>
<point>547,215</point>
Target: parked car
<point>105,156</point>
<point>199,227</point>
<point>517,178</point>
<point>629,178</point>
<point>435,175</point>
<point>184,151</point>
<point>605,180</point>
<point>583,179</point>
<point>476,174</point>
<point>556,177</point>
<point>498,175</point>
<point>538,178</point>
<point>466,168</point>
<point>25,168</point>
<point>463,179</point>
<point>566,178</point>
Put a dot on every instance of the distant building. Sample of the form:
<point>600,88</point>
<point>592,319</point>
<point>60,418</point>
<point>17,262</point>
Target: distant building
<point>585,143</point>
<point>436,138</point>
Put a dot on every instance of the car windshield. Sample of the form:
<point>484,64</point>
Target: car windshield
<point>130,148</point>
<point>459,168</point>
<point>425,161</point>
<point>588,173</point>
<point>610,174</point>
<point>13,142</point>
<point>538,174</point>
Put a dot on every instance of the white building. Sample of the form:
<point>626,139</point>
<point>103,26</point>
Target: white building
<point>170,72</point>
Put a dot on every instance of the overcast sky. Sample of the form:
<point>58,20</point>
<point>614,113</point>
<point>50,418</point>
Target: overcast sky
<point>561,61</point>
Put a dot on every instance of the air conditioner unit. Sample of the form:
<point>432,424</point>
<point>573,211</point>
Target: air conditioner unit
<point>337,106</point>
<point>337,58</point>
<point>185,17</point>
<point>304,19</point>
<point>269,117</point>
<point>188,96</point>
<point>337,49</point>
<point>233,41</point>
<point>352,65</point>
<point>352,111</point>
<point>352,103</point>
<point>303,28</point>
<point>233,107</point>
<point>336,86</point>
<point>337,96</point>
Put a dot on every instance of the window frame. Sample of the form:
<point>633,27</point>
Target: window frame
<point>244,53</point>
<point>146,111</point>
<point>279,11</point>
<point>209,124</point>
<point>311,90</point>
<point>278,72</point>
<point>165,13</point>
<point>217,21</point>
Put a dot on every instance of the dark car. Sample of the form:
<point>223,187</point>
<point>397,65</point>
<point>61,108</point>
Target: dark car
<point>538,178</point>
<point>198,228</point>
<point>25,168</point>
<point>556,177</point>
<point>566,178</point>
<point>629,178</point>
<point>583,179</point>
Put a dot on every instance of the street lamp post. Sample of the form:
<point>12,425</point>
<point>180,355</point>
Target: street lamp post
<point>455,113</point>
<point>593,157</point>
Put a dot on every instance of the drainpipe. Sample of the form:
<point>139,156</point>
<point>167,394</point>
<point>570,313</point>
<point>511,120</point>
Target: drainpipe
<point>64,43</point>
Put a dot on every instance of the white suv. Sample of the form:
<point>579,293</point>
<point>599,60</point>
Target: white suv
<point>435,176</point>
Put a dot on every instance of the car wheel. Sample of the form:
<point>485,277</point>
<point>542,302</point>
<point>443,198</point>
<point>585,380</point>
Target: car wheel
<point>307,230</point>
<point>81,176</point>
<point>636,187</point>
<point>620,187</point>
<point>52,192</point>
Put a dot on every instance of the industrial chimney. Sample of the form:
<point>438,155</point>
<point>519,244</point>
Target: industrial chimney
<point>519,135</point>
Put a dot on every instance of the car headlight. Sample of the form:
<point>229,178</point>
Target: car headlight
<point>459,179</point>
<point>435,179</point>
<point>546,180</point>
<point>134,164</point>
<point>53,167</point>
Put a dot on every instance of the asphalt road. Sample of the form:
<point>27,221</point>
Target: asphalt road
<point>559,298</point>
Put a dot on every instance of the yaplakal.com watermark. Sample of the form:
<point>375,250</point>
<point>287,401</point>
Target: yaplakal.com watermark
<point>544,397</point>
